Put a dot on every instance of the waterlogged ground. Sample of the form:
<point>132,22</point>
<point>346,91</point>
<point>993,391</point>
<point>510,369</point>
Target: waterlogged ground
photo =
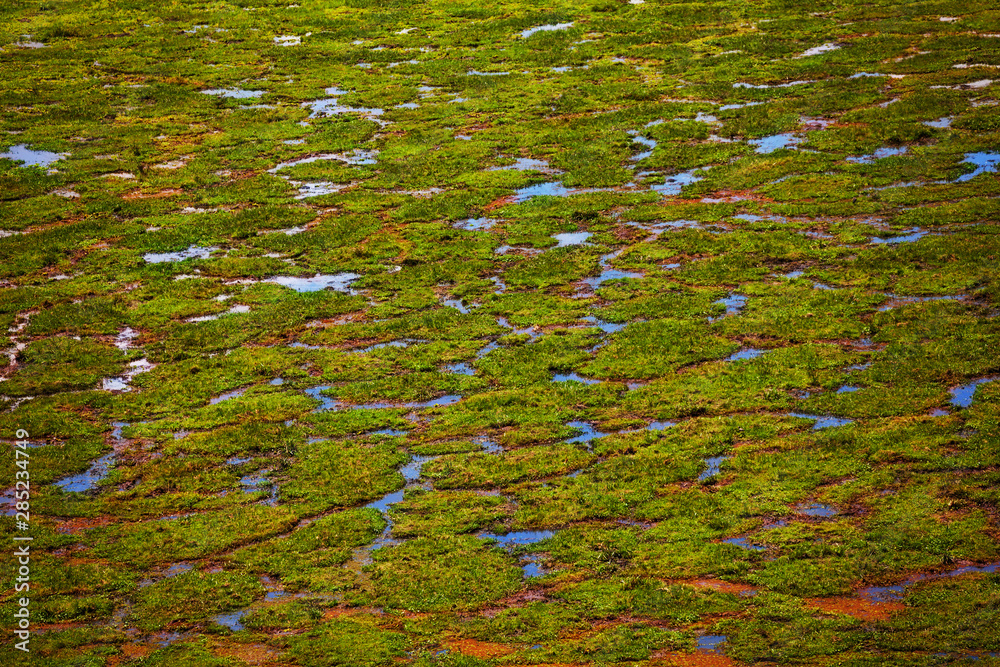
<point>470,334</point>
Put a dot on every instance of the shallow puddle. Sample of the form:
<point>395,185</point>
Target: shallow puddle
<point>233,93</point>
<point>734,303</point>
<point>672,185</point>
<point>817,509</point>
<point>87,481</point>
<point>742,543</point>
<point>746,353</point>
<point>588,433</point>
<point>573,377</point>
<point>518,538</point>
<point>476,224</point>
<point>339,282</point>
<point>817,50</point>
<point>961,396</point>
<point>776,142</point>
<point>711,643</point>
<point>525,34</point>
<point>879,154</point>
<point>232,620</point>
<point>31,158</point>
<point>910,236</point>
<point>712,464</point>
<point>897,591</point>
<point>822,421</point>
<point>985,163</point>
<point>192,252</point>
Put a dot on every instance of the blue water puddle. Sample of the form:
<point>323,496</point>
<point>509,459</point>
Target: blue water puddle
<point>672,185</point>
<point>792,275</point>
<point>339,282</point>
<point>193,252</point>
<point>746,353</point>
<point>533,332</point>
<point>450,399</point>
<point>355,157</point>
<point>546,28</point>
<point>571,239</point>
<point>489,445</point>
<point>882,593</point>
<point>573,377</point>
<point>233,93</point>
<point>232,620</point>
<point>610,274</point>
<point>476,224</point>
<point>456,304</point>
<point>587,435</point>
<point>985,163</point>
<point>333,107</point>
<point>775,142</point>
<point>822,421</point>
<point>226,396</point>
<point>817,509</point>
<point>734,304</point>
<point>897,591</point>
<point>660,425</point>
<point>88,480</point>
<point>644,141</point>
<point>765,86</point>
<point>172,571</point>
<point>531,567</point>
<point>487,349</point>
<point>711,643</point>
<point>847,389</point>
<point>237,461</point>
<point>256,482</point>
<point>941,123</point>
<point>31,158</point>
<point>742,543</point>
<point>460,369</point>
<point>712,464</point>
<point>910,236</point>
<point>878,155</point>
<point>896,300</point>
<point>549,189</point>
<point>518,538</point>
<point>402,344</point>
<point>391,432</point>
<point>382,504</point>
<point>863,75</point>
<point>961,396</point>
<point>757,218</point>
<point>524,164</point>
<point>326,403</point>
<point>606,327</point>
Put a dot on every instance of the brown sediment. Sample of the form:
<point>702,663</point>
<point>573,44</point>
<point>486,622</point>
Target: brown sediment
<point>859,608</point>
<point>133,651</point>
<point>722,586</point>
<point>251,654</point>
<point>73,526</point>
<point>500,202</point>
<point>338,612</point>
<point>692,660</point>
<point>478,649</point>
<point>169,192</point>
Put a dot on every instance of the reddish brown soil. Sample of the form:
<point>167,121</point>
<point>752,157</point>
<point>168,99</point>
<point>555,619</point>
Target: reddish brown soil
<point>478,649</point>
<point>861,609</point>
